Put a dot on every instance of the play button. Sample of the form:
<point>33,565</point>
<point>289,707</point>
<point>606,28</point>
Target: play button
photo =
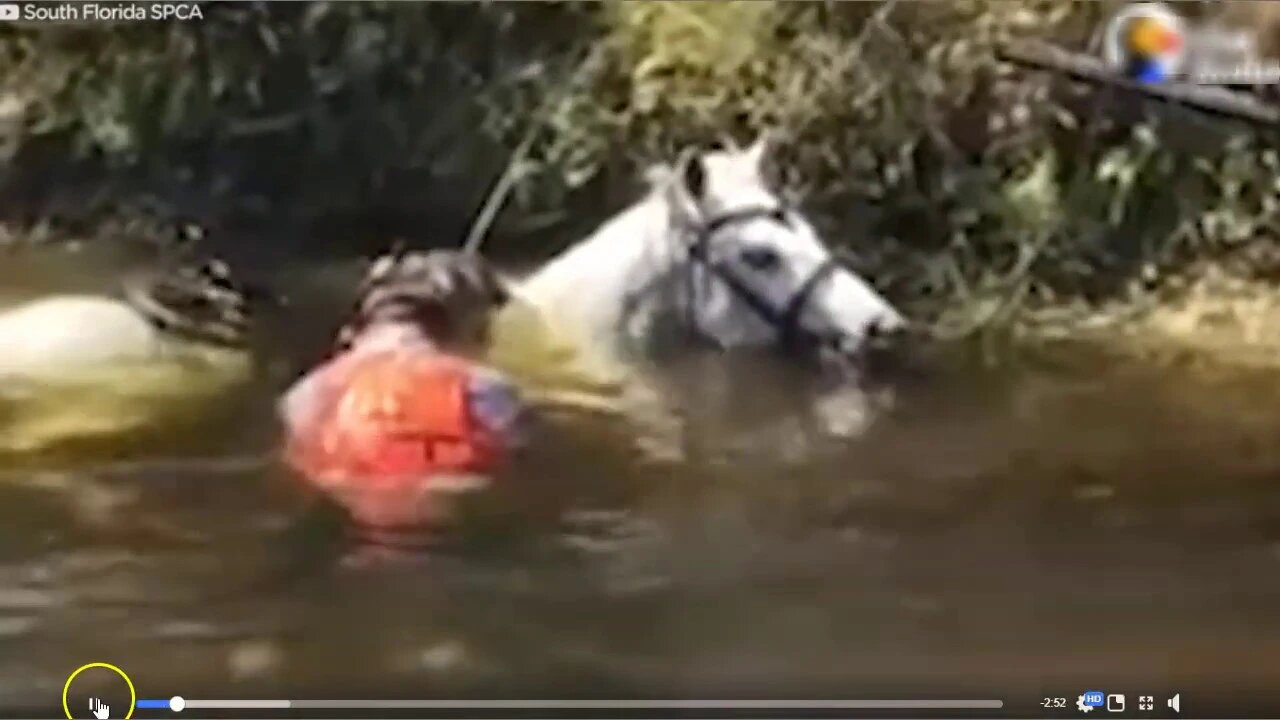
<point>100,691</point>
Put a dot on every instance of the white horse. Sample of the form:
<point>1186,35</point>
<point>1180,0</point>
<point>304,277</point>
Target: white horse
<point>710,253</point>
<point>76,367</point>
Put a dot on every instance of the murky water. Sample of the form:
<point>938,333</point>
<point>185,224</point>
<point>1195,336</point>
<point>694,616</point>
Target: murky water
<point>1038,528</point>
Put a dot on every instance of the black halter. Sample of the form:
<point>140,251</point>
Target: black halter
<point>785,320</point>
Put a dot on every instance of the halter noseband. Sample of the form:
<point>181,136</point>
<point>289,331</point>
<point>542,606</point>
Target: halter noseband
<point>785,320</point>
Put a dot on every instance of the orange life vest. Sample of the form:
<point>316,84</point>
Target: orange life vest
<point>391,417</point>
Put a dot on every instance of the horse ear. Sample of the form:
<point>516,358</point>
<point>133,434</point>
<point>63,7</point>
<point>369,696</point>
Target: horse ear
<point>685,187</point>
<point>657,175</point>
<point>693,177</point>
<point>760,150</point>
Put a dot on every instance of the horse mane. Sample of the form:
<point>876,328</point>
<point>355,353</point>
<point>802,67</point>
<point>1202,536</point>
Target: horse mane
<point>661,175</point>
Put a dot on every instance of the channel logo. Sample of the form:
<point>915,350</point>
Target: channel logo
<point>10,11</point>
<point>1146,42</point>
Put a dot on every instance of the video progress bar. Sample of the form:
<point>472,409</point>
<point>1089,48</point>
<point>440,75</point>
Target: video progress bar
<point>178,704</point>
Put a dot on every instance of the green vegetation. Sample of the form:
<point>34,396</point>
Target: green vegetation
<point>976,195</point>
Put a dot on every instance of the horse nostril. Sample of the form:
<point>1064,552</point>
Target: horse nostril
<point>884,334</point>
<point>880,336</point>
<point>878,330</point>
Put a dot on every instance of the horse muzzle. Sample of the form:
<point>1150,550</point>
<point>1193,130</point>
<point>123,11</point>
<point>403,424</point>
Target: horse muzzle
<point>882,354</point>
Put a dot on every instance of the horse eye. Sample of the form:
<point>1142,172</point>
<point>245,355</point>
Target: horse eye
<point>762,259</point>
<point>780,216</point>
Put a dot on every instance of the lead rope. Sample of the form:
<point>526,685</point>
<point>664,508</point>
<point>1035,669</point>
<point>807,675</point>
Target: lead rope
<point>691,288</point>
<point>506,182</point>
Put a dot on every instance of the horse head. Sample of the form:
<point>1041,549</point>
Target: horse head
<point>755,271</point>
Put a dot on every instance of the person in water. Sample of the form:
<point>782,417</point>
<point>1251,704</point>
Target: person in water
<point>399,422</point>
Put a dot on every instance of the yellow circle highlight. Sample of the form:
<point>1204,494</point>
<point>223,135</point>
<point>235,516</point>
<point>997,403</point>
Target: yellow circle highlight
<point>133,695</point>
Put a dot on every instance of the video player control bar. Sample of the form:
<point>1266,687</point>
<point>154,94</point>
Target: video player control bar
<point>178,704</point>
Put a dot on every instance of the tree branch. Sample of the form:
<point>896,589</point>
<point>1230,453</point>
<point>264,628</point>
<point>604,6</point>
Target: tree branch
<point>1081,66</point>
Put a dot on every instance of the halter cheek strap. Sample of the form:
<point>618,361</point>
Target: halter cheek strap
<point>785,320</point>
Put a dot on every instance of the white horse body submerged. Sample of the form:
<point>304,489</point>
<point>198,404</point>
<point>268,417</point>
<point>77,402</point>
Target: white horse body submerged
<point>87,367</point>
<point>711,251</point>
<point>48,337</point>
<point>585,289</point>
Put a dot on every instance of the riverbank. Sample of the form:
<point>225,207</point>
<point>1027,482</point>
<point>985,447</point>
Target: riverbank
<point>982,198</point>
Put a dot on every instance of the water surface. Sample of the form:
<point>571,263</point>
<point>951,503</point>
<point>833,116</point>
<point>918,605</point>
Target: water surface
<point>1034,528</point>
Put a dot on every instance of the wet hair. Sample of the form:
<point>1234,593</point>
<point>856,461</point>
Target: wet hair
<point>449,294</point>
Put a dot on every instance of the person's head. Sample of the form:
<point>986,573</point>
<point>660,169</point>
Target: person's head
<point>449,296</point>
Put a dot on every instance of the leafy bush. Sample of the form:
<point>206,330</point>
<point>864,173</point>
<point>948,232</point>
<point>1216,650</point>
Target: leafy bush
<point>333,105</point>
<point>973,192</point>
